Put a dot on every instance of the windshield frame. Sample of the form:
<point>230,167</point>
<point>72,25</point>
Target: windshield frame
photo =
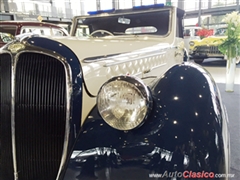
<point>84,21</point>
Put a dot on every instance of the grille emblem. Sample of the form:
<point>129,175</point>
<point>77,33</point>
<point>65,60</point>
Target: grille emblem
<point>14,48</point>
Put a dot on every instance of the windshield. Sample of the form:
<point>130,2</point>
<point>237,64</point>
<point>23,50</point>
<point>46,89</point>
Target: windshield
<point>155,23</point>
<point>47,31</point>
<point>220,31</point>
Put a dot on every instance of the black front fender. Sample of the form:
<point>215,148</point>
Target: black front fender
<point>182,136</point>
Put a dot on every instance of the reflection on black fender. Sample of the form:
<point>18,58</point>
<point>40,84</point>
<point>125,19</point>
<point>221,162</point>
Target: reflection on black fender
<point>182,134</point>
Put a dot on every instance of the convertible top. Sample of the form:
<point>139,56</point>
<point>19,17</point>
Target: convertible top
<point>137,9</point>
<point>155,19</point>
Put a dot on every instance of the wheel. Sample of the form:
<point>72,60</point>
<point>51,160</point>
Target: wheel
<point>198,61</point>
<point>101,32</point>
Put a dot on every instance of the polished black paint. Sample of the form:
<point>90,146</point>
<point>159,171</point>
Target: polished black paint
<point>183,132</point>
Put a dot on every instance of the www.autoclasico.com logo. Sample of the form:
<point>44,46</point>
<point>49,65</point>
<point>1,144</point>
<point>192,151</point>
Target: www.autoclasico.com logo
<point>190,174</point>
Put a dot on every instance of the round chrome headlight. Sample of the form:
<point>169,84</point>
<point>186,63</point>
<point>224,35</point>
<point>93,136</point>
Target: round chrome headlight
<point>191,43</point>
<point>124,102</point>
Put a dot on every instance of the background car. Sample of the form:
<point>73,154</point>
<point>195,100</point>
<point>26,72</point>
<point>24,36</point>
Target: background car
<point>189,34</point>
<point>9,29</point>
<point>207,47</point>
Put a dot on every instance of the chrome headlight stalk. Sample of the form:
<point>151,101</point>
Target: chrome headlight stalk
<point>124,102</point>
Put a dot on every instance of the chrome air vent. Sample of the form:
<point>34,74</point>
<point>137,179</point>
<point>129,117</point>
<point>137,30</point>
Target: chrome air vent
<point>38,116</point>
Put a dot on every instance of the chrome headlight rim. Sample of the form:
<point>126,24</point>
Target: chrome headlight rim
<point>143,89</point>
<point>191,43</point>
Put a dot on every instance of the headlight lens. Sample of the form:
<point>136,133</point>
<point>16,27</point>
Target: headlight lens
<point>124,102</point>
<point>191,43</point>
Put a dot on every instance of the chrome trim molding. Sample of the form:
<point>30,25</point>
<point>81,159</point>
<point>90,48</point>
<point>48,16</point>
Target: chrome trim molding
<point>149,54</point>
<point>69,90</point>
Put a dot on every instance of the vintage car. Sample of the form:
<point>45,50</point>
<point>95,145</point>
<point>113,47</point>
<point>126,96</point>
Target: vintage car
<point>189,34</point>
<point>9,29</point>
<point>207,47</point>
<point>121,103</point>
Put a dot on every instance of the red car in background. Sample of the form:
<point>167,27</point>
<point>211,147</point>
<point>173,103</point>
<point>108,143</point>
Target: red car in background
<point>9,29</point>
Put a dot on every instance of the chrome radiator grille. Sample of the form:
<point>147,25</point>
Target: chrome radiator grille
<point>6,161</point>
<point>40,116</point>
<point>208,50</point>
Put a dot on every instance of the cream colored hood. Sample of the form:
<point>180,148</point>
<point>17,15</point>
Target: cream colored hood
<point>103,58</point>
<point>90,47</point>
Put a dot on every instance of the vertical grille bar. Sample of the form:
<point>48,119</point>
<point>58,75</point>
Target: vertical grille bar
<point>40,116</point>
<point>6,160</point>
